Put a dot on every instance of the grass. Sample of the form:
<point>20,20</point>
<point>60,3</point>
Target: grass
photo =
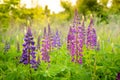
<point>97,65</point>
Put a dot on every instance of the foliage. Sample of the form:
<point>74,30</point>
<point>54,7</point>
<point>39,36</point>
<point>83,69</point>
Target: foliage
<point>97,65</point>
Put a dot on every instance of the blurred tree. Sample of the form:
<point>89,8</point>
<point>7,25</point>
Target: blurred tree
<point>104,2</point>
<point>47,11</point>
<point>87,6</point>
<point>69,9</point>
<point>115,6</point>
<point>7,10</point>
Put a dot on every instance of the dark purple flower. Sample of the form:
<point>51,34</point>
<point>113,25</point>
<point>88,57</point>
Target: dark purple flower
<point>28,55</point>
<point>118,76</point>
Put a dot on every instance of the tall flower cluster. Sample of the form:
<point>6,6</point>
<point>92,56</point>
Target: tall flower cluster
<point>91,36</point>
<point>45,47</point>
<point>83,29</point>
<point>49,42</point>
<point>56,40</point>
<point>71,42</point>
<point>28,54</point>
<point>50,36</point>
<point>75,40</point>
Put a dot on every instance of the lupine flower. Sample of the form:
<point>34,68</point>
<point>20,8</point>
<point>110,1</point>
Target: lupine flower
<point>28,55</point>
<point>80,43</point>
<point>83,29</point>
<point>50,35</point>
<point>7,47</point>
<point>76,19</point>
<point>71,42</point>
<point>118,76</point>
<point>75,40</point>
<point>45,49</point>
<point>91,36</point>
<point>56,40</point>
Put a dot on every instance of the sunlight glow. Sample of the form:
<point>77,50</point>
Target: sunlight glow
<point>1,1</point>
<point>109,3</point>
<point>53,5</point>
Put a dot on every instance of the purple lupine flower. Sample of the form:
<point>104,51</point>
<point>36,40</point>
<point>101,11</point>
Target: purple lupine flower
<point>83,29</point>
<point>94,38</point>
<point>80,43</point>
<point>76,18</point>
<point>71,41</point>
<point>56,40</point>
<point>45,49</point>
<point>28,55</point>
<point>75,40</point>
<point>91,36</point>
<point>69,38</point>
<point>50,35</point>
<point>118,76</point>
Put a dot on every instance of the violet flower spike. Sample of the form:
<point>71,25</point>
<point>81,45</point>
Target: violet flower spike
<point>75,40</point>
<point>45,49</point>
<point>28,54</point>
<point>50,36</point>
<point>91,36</point>
<point>56,40</point>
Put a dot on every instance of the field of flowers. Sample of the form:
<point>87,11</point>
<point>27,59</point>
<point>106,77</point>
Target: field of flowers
<point>82,51</point>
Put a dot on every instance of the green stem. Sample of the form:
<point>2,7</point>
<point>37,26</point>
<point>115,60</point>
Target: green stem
<point>94,72</point>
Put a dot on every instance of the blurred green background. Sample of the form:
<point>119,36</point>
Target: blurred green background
<point>14,17</point>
